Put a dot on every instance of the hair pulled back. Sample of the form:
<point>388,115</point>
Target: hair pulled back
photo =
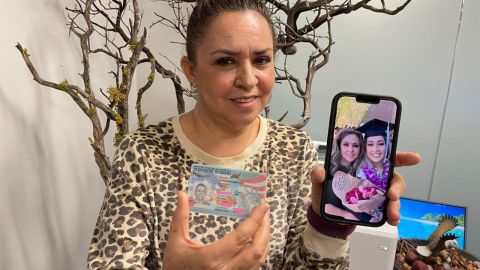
<point>204,12</point>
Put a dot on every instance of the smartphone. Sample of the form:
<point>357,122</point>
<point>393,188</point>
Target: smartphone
<point>362,138</point>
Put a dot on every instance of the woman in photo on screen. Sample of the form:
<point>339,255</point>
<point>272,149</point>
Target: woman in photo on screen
<point>348,151</point>
<point>375,165</point>
<point>347,155</point>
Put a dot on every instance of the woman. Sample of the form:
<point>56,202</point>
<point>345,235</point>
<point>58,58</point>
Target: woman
<point>348,151</point>
<point>347,155</point>
<point>145,221</point>
<point>375,166</point>
<point>201,194</point>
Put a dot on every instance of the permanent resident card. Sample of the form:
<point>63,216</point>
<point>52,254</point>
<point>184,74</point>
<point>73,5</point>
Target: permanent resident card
<point>225,192</point>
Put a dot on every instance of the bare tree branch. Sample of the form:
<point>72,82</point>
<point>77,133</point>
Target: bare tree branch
<point>151,77</point>
<point>77,94</point>
<point>279,5</point>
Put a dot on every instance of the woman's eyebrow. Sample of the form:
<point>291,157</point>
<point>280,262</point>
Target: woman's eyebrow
<point>264,51</point>
<point>226,51</point>
<point>236,53</point>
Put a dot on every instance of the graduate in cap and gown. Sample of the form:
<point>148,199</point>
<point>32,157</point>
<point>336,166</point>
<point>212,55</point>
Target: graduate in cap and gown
<point>376,165</point>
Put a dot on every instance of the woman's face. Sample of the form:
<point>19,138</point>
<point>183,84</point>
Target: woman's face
<point>350,148</point>
<point>234,69</point>
<point>376,149</point>
<point>200,192</point>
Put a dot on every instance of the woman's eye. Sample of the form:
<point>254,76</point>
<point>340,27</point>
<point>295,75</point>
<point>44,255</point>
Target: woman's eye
<point>224,61</point>
<point>263,60</point>
<point>356,145</point>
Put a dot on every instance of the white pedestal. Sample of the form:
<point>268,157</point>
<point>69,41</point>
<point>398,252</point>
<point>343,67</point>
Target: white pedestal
<point>373,247</point>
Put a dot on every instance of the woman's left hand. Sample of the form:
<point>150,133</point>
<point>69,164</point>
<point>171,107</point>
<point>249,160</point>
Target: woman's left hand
<point>396,190</point>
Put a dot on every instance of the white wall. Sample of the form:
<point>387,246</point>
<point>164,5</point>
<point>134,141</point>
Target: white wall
<point>50,184</point>
<point>407,56</point>
<point>51,189</point>
<point>456,175</point>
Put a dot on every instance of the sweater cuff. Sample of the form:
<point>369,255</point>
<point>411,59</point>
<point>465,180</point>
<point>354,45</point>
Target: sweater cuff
<point>328,228</point>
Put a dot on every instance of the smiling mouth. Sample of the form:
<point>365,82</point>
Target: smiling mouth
<point>244,100</point>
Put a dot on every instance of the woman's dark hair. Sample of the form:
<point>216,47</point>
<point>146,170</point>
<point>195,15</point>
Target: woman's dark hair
<point>200,185</point>
<point>206,10</point>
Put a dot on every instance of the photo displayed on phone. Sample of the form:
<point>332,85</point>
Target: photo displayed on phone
<point>360,160</point>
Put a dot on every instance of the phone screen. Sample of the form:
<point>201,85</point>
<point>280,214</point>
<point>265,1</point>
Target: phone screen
<point>360,157</point>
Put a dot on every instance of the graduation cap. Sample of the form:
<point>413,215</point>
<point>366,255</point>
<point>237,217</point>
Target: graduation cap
<point>376,127</point>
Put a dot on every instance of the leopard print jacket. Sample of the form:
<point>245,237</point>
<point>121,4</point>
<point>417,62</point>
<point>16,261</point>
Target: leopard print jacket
<point>151,163</point>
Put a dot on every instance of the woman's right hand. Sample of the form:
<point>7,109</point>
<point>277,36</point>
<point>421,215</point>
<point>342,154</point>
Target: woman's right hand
<point>244,248</point>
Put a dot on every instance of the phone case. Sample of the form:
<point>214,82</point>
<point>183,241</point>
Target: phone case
<point>361,145</point>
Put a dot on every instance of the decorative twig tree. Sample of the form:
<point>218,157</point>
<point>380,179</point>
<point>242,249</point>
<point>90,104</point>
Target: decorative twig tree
<point>119,24</point>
